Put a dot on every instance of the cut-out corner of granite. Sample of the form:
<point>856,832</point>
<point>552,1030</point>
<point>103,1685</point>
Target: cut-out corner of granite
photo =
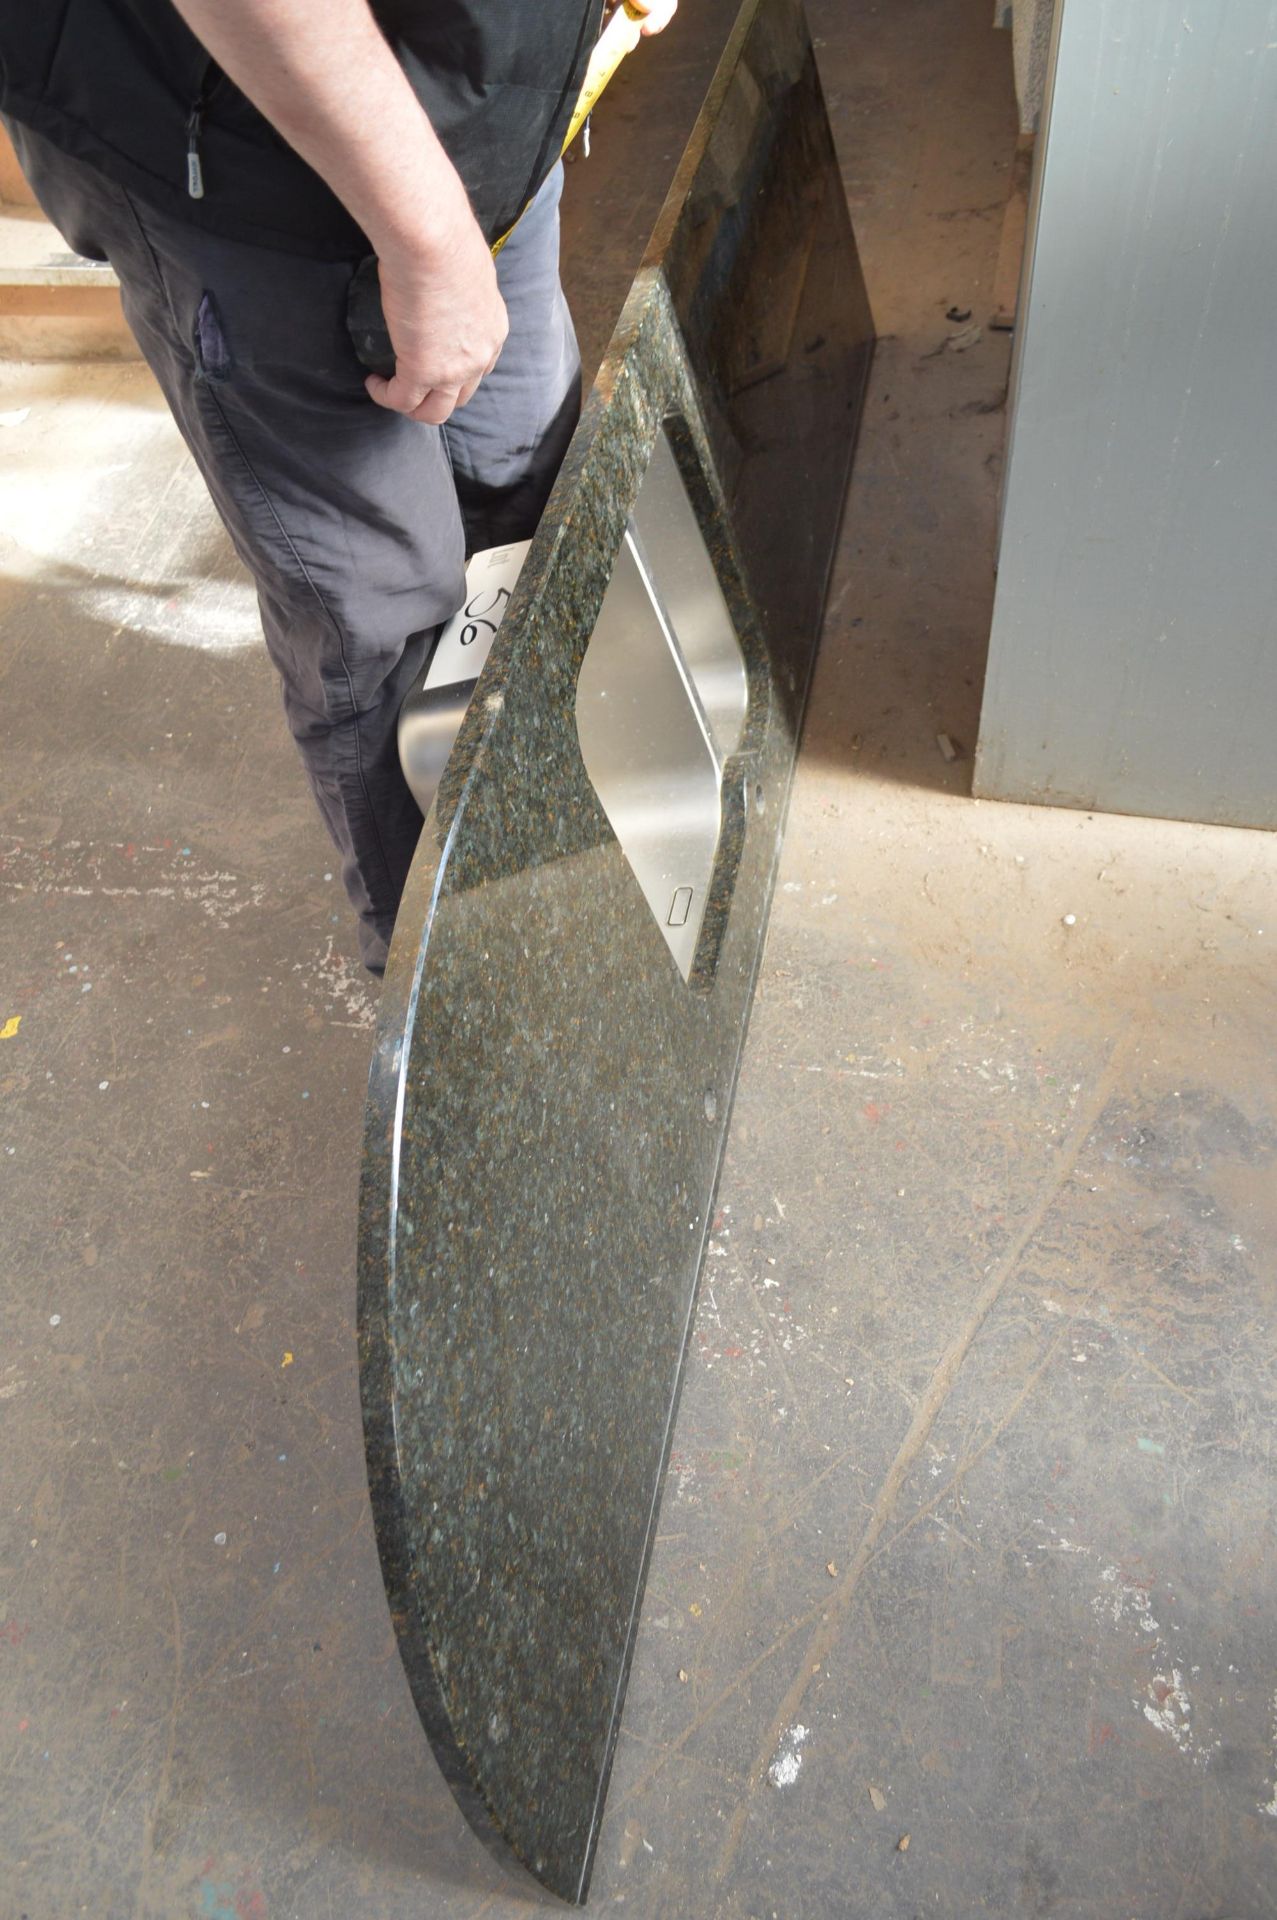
<point>549,1098</point>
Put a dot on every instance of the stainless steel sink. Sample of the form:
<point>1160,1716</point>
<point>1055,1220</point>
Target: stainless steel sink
<point>661,703</point>
<point>661,698</point>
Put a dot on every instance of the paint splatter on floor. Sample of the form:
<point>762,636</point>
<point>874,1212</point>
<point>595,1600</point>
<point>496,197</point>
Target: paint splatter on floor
<point>785,1768</point>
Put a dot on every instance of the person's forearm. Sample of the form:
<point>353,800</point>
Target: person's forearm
<point>326,79</point>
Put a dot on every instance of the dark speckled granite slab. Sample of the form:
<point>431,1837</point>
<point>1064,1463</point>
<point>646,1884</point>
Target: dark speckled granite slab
<point>549,1098</point>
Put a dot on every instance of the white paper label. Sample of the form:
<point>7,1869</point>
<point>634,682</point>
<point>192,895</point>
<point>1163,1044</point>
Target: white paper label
<point>466,641</point>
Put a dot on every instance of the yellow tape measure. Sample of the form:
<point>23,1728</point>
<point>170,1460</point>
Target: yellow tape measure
<point>620,37</point>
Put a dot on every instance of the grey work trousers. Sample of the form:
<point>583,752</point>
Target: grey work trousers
<point>354,522</point>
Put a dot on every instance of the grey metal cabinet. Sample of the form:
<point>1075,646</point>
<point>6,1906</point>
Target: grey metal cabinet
<point>1133,658</point>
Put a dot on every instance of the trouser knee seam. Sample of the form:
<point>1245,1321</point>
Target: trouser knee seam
<point>215,400</point>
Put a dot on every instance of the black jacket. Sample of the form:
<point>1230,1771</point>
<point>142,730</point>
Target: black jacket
<point>126,86</point>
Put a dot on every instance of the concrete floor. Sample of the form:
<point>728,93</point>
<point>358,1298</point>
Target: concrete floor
<point>969,1530</point>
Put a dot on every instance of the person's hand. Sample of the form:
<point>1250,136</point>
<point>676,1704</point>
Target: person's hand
<point>446,320</point>
<point>657,14</point>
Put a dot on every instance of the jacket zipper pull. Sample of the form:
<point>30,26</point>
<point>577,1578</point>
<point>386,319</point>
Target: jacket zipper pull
<point>194,170</point>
